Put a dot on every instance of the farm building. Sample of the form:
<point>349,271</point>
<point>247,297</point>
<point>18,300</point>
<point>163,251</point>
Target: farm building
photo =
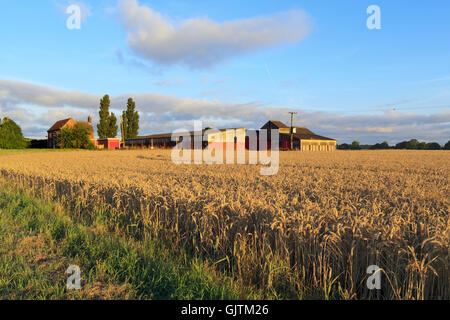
<point>54,132</point>
<point>233,138</point>
<point>303,138</point>
<point>109,143</point>
<point>159,141</point>
<point>165,140</point>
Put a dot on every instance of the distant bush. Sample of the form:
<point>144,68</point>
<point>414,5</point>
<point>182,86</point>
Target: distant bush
<point>401,145</point>
<point>433,146</point>
<point>77,137</point>
<point>37,143</point>
<point>11,136</point>
<point>414,144</point>
<point>356,145</point>
<point>380,146</point>
<point>344,146</point>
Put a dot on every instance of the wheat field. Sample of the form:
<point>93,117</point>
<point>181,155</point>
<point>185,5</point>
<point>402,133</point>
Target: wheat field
<point>313,229</point>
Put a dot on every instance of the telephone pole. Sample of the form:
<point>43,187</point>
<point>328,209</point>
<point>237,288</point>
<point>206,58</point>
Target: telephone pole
<point>122,133</point>
<point>292,129</point>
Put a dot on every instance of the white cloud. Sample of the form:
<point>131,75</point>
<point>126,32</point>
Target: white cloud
<point>202,42</point>
<point>13,93</point>
<point>164,113</point>
<point>371,129</point>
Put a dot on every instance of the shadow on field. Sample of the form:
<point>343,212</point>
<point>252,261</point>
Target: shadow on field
<point>160,158</point>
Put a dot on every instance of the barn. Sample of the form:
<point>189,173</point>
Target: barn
<point>219,139</point>
<point>303,138</point>
<point>159,141</point>
<point>55,130</point>
<point>226,139</point>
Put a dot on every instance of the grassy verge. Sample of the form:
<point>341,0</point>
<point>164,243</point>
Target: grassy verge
<point>39,240</point>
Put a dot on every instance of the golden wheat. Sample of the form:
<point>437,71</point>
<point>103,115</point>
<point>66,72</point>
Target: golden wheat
<point>314,227</point>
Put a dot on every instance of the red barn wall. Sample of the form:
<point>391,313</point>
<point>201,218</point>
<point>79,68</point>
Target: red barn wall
<point>110,144</point>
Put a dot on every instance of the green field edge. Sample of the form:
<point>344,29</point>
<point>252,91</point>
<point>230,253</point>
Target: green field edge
<point>40,239</point>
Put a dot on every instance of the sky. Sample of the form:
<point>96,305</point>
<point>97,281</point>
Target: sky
<point>232,64</point>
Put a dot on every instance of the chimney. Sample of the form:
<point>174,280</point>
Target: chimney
<point>90,119</point>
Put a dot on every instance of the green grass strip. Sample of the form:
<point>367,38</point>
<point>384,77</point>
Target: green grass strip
<point>39,240</point>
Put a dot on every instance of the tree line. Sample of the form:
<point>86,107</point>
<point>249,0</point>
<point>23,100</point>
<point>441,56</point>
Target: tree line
<point>78,136</point>
<point>11,136</point>
<point>412,144</point>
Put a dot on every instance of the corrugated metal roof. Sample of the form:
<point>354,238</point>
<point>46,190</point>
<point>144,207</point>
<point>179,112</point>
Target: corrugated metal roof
<point>169,135</point>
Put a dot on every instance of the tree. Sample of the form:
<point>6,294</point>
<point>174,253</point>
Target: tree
<point>107,127</point>
<point>401,145</point>
<point>76,137</point>
<point>433,146</point>
<point>355,145</point>
<point>103,125</point>
<point>130,119</point>
<point>113,127</point>
<point>344,146</point>
<point>385,145</point>
<point>11,136</point>
<point>422,146</point>
<point>412,144</point>
<point>447,146</point>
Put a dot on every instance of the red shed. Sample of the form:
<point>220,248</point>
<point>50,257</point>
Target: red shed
<point>110,144</point>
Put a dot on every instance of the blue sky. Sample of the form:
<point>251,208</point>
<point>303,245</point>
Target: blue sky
<point>232,63</point>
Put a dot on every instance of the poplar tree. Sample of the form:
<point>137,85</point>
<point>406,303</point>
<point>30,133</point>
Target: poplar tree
<point>130,120</point>
<point>107,127</point>
<point>113,127</point>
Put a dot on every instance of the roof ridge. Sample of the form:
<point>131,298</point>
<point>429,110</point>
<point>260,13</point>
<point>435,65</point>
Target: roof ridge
<point>59,124</point>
